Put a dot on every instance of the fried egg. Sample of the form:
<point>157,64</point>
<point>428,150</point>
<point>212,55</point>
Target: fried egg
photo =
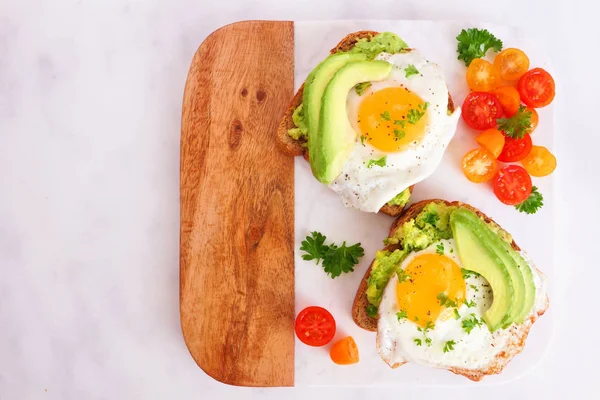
<point>434,316</point>
<point>404,119</point>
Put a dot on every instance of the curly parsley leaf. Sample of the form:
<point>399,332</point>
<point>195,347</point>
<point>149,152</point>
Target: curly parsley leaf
<point>449,346</point>
<point>372,311</point>
<point>411,70</point>
<point>398,134</point>
<point>469,324</point>
<point>518,125</point>
<point>445,300</point>
<point>400,122</point>
<point>440,249</point>
<point>456,314</point>
<point>314,247</point>
<point>361,87</point>
<point>386,116</point>
<point>380,162</point>
<point>470,303</point>
<point>474,43</point>
<point>401,315</point>
<point>533,203</point>
<point>414,115</point>
<point>417,341</point>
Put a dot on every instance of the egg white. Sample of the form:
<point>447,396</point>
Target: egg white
<point>368,189</point>
<point>476,350</point>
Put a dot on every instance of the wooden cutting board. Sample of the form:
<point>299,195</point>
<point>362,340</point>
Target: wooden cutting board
<point>237,206</point>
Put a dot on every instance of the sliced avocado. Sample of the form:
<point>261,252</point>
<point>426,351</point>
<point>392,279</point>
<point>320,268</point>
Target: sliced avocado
<point>498,246</point>
<point>476,255</point>
<point>336,138</point>
<point>315,85</point>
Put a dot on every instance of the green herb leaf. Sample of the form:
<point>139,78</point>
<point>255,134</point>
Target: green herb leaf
<point>533,203</point>
<point>474,43</point>
<point>380,162</point>
<point>440,249</point>
<point>400,122</point>
<point>371,310</point>
<point>474,288</point>
<point>456,314</point>
<point>445,300</point>
<point>386,116</point>
<point>470,303</point>
<point>518,125</point>
<point>428,341</point>
<point>449,346</point>
<point>398,134</point>
<point>401,315</point>
<point>429,325</point>
<point>414,115</point>
<point>314,247</point>
<point>362,139</point>
<point>402,276</point>
<point>342,259</point>
<point>411,70</point>
<point>361,87</point>
<point>417,341</point>
<point>469,324</point>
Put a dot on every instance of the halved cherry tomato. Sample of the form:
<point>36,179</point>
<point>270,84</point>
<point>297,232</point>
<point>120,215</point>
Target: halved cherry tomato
<point>509,98</point>
<point>511,63</point>
<point>535,118</point>
<point>492,140</point>
<point>539,162</point>
<point>482,76</point>
<point>515,149</point>
<point>481,110</point>
<point>512,185</point>
<point>315,326</point>
<point>536,88</point>
<point>344,352</point>
<point>479,165</point>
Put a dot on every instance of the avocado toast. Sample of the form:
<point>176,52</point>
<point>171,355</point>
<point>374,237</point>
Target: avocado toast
<point>439,229</point>
<point>293,132</point>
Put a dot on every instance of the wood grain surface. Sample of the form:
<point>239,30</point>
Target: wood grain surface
<point>237,206</point>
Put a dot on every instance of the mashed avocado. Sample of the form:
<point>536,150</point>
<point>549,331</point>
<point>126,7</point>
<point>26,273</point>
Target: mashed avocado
<point>387,42</point>
<point>401,199</point>
<point>432,224</point>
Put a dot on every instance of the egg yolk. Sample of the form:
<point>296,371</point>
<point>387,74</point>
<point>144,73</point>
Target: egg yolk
<point>392,118</point>
<point>428,281</point>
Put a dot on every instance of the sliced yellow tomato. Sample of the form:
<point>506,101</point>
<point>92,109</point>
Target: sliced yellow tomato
<point>539,162</point>
<point>479,165</point>
<point>482,76</point>
<point>492,140</point>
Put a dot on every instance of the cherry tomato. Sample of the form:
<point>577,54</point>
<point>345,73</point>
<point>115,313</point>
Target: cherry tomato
<point>315,326</point>
<point>535,119</point>
<point>512,185</point>
<point>515,149</point>
<point>482,76</point>
<point>509,98</point>
<point>536,88</point>
<point>511,64</point>
<point>344,352</point>
<point>539,162</point>
<point>492,140</point>
<point>479,165</point>
<point>481,110</point>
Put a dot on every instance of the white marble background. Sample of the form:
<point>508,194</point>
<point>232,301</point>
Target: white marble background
<point>90,99</point>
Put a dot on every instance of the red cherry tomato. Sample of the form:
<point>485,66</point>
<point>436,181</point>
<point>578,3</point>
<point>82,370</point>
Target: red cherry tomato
<point>315,326</point>
<point>515,149</point>
<point>512,185</point>
<point>481,110</point>
<point>536,88</point>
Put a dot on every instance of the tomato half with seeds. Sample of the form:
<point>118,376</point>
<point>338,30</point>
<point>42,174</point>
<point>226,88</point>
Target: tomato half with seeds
<point>482,76</point>
<point>536,88</point>
<point>539,162</point>
<point>512,185</point>
<point>315,326</point>
<point>515,149</point>
<point>509,98</point>
<point>511,63</point>
<point>481,110</point>
<point>479,165</point>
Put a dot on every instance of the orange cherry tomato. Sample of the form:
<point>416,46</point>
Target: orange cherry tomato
<point>511,63</point>
<point>315,326</point>
<point>344,352</point>
<point>509,98</point>
<point>492,140</point>
<point>535,119</point>
<point>482,76</point>
<point>539,162</point>
<point>479,165</point>
<point>536,88</point>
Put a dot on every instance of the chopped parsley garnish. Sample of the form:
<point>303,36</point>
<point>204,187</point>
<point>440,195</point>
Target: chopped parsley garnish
<point>380,162</point>
<point>336,259</point>
<point>429,326</point>
<point>401,315</point>
<point>428,341</point>
<point>451,251</point>
<point>440,249</point>
<point>469,324</point>
<point>474,43</point>
<point>398,134</point>
<point>445,300</point>
<point>470,303</point>
<point>362,139</point>
<point>533,203</point>
<point>417,341</point>
<point>474,288</point>
<point>414,115</point>
<point>386,116</point>
<point>361,87</point>
<point>456,314</point>
<point>467,274</point>
<point>449,346</point>
<point>411,70</point>
<point>372,311</point>
<point>402,276</point>
<point>400,122</point>
<point>518,125</point>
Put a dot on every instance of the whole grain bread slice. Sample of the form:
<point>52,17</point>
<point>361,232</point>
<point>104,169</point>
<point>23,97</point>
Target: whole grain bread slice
<point>294,147</point>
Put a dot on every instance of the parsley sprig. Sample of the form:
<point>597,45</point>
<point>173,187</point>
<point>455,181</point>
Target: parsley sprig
<point>518,125</point>
<point>336,259</point>
<point>440,249</point>
<point>446,301</point>
<point>361,87</point>
<point>533,203</point>
<point>469,324</point>
<point>379,162</point>
<point>411,70</point>
<point>474,43</point>
<point>449,346</point>
<point>414,115</point>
